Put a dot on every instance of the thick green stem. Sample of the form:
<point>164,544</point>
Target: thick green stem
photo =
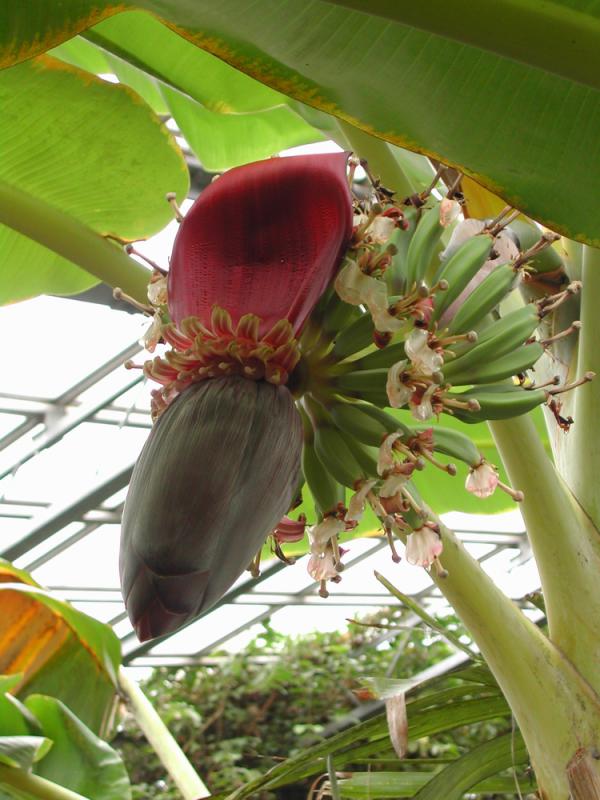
<point>583,466</point>
<point>68,237</point>
<point>171,755</point>
<point>565,543</point>
<point>380,157</point>
<point>33,786</point>
<point>556,709</point>
<point>527,31</point>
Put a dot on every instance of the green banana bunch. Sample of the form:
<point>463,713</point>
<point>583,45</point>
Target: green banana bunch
<point>483,299</point>
<point>422,246</point>
<point>501,337</point>
<point>460,269</point>
<point>499,401</point>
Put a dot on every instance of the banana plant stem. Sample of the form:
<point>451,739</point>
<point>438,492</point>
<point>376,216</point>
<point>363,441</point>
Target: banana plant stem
<point>583,466</point>
<point>36,219</point>
<point>169,752</point>
<point>564,540</point>
<point>380,158</point>
<point>556,709</point>
<point>34,786</point>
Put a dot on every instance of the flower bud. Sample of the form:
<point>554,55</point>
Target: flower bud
<point>218,471</point>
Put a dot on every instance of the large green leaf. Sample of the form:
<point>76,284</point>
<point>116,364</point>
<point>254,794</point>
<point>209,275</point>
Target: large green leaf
<point>140,40</point>
<point>78,759</point>
<point>228,140</point>
<point>60,651</point>
<point>227,118</point>
<point>88,149</point>
<point>517,128</point>
<point>370,738</point>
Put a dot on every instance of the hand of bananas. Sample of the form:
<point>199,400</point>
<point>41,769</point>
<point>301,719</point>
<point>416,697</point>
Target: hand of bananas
<point>427,335</point>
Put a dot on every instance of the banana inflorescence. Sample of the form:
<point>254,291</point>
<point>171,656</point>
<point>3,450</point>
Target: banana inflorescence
<point>421,321</point>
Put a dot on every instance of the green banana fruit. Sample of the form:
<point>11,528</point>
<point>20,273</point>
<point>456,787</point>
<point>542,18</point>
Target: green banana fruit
<point>326,491</point>
<point>422,245</point>
<point>395,274</point>
<point>335,455</point>
<point>502,336</point>
<point>368,384</point>
<point>352,421</point>
<point>338,314</point>
<point>460,269</point>
<point>513,363</point>
<point>513,402</point>
<point>355,337</point>
<point>391,423</point>
<point>384,358</point>
<point>483,299</point>
<point>365,423</point>
<point>365,455</point>
<point>454,444</point>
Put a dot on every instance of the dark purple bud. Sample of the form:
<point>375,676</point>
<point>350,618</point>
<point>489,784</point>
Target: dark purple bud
<point>219,470</point>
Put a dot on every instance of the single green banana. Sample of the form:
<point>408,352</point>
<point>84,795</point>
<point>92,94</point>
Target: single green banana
<point>338,315</point>
<point>460,269</point>
<point>501,337</point>
<point>395,274</point>
<point>355,337</point>
<point>513,402</point>
<point>483,299</point>
<point>422,245</point>
<point>326,491</point>
<point>364,422</point>
<point>368,384</point>
<point>365,455</point>
<point>453,443</point>
<point>354,423</point>
<point>513,363</point>
<point>336,456</point>
<point>389,421</point>
<point>384,358</point>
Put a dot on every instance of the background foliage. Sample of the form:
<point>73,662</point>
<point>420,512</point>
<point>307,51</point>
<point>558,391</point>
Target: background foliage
<point>244,713</point>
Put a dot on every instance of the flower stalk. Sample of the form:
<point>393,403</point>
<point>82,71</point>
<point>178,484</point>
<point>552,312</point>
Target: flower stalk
<point>544,689</point>
<point>564,540</point>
